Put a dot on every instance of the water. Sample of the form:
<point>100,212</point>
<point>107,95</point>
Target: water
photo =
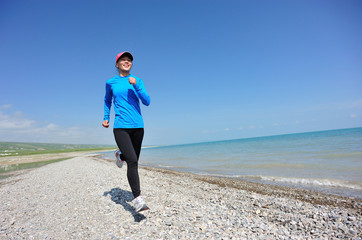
<point>327,161</point>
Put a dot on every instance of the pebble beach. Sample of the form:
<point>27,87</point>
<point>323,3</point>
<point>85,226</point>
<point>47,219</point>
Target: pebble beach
<point>87,197</point>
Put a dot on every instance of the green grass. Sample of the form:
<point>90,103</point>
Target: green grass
<point>22,166</point>
<point>19,149</point>
<point>4,176</point>
<point>7,170</point>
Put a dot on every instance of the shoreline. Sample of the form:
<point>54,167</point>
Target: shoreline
<point>88,197</point>
<point>327,190</point>
<point>310,196</point>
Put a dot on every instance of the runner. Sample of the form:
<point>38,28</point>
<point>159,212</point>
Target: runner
<point>126,90</point>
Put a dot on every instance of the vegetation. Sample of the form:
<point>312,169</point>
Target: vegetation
<point>21,166</point>
<point>19,148</point>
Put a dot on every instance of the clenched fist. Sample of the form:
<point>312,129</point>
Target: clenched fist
<point>105,124</point>
<point>132,80</point>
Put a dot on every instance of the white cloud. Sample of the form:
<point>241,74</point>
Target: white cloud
<point>51,126</point>
<point>17,127</point>
<point>6,106</point>
<point>353,116</point>
<point>14,121</point>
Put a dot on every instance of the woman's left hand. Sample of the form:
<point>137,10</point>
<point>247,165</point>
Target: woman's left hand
<point>132,80</point>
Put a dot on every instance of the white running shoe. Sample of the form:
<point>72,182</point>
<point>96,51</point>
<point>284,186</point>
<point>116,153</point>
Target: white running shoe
<point>139,204</point>
<point>119,161</point>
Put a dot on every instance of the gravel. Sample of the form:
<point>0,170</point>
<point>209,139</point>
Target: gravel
<point>89,198</point>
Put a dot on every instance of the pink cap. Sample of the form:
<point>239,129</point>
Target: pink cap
<point>124,53</point>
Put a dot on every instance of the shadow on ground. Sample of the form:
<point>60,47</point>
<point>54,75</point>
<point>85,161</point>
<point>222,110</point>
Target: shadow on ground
<point>123,198</point>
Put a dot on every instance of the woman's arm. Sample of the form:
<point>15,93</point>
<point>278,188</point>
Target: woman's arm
<point>141,90</point>
<point>107,105</point>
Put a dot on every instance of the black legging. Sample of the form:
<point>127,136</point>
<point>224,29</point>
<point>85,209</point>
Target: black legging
<point>129,141</point>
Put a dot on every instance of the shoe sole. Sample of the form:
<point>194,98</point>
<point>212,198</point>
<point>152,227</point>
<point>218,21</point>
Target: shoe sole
<point>145,207</point>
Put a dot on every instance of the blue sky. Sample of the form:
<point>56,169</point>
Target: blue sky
<point>215,70</point>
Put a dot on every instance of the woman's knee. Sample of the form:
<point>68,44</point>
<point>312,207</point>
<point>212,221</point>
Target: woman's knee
<point>132,162</point>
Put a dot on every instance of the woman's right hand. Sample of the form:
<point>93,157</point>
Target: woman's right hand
<point>105,124</point>
<point>132,80</point>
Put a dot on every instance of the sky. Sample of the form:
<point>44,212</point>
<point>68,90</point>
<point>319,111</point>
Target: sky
<point>215,70</point>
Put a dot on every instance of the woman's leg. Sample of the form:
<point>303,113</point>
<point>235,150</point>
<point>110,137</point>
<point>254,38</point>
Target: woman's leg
<point>137,138</point>
<point>129,141</point>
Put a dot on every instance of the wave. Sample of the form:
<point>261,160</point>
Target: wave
<point>321,182</point>
<point>317,182</point>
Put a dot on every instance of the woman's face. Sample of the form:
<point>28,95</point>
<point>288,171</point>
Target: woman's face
<point>124,64</point>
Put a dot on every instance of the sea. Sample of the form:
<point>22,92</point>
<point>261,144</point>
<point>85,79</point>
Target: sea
<point>324,161</point>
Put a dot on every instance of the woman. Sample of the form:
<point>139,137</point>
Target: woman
<point>126,90</point>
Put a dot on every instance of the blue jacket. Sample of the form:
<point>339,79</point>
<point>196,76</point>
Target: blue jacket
<point>126,101</point>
